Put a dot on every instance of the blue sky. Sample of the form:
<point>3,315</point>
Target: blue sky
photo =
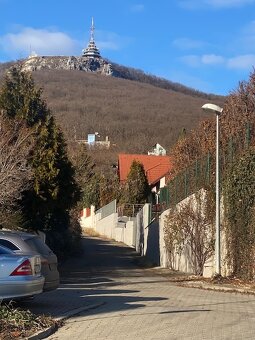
<point>208,45</point>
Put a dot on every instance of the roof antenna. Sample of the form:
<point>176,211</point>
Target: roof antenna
<point>92,29</point>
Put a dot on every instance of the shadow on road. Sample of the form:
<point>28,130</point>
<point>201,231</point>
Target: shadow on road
<point>90,278</point>
<point>99,257</point>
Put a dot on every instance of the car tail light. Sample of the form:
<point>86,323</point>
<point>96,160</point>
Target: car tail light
<point>23,269</point>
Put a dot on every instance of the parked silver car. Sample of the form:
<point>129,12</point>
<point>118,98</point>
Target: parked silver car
<point>20,275</point>
<point>25,243</point>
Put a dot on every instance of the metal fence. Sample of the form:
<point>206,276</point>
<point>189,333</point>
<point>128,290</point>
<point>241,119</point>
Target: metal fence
<point>129,210</point>
<point>201,173</point>
<point>107,210</point>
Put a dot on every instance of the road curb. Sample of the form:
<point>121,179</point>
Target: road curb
<point>218,288</point>
<point>52,329</point>
<point>43,334</point>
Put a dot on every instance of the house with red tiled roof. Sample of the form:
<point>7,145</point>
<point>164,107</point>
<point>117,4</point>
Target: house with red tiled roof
<point>156,168</point>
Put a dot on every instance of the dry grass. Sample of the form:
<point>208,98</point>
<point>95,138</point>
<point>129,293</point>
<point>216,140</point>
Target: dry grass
<point>90,232</point>
<point>16,323</point>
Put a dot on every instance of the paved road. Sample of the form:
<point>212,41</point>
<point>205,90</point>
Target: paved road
<point>140,304</point>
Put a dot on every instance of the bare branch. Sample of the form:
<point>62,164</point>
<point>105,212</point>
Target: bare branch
<point>16,142</point>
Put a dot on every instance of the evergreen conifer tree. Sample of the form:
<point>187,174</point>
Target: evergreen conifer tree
<point>45,206</point>
<point>137,188</point>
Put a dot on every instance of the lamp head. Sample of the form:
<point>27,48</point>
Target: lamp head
<point>212,107</point>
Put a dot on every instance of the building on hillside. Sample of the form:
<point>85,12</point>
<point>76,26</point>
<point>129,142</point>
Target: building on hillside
<point>157,169</point>
<point>157,150</point>
<point>91,51</point>
<point>94,141</point>
<point>32,54</point>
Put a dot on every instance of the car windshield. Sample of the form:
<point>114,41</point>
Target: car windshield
<point>38,245</point>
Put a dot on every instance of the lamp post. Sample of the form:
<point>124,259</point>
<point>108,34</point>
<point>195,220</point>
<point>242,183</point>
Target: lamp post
<point>217,110</point>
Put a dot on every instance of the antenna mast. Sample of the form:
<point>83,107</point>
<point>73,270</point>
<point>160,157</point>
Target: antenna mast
<point>92,29</point>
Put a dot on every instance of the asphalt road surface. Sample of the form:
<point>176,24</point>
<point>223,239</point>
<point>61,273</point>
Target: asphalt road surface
<point>138,303</point>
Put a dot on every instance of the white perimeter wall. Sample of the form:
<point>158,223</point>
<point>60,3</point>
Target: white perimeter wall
<point>110,227</point>
<point>182,262</point>
<point>134,232</point>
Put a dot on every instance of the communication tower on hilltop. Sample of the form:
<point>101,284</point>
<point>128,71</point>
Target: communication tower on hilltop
<point>91,51</point>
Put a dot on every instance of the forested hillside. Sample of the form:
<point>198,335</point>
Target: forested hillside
<point>135,114</point>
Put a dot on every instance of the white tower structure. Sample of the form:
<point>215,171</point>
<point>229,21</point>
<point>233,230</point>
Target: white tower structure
<point>91,51</point>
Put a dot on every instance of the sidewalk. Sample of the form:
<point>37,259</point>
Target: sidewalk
<point>85,279</point>
<point>193,281</point>
<point>68,300</point>
<point>72,295</point>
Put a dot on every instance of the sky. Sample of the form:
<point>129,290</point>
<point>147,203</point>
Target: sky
<point>208,45</point>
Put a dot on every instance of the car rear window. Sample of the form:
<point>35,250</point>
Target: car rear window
<point>8,244</point>
<point>38,245</point>
<point>5,251</point>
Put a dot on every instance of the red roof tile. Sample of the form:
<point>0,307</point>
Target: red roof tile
<point>155,167</point>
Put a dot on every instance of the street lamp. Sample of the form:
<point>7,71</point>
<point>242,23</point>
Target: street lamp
<point>217,110</point>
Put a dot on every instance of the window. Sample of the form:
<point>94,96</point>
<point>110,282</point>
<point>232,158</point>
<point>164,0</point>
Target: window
<point>38,245</point>
<point>5,251</point>
<point>8,244</point>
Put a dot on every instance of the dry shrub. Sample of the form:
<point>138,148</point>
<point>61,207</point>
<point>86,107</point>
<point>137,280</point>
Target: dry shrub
<point>189,226</point>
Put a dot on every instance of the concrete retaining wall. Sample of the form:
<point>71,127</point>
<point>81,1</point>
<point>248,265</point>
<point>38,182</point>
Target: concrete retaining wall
<point>88,221</point>
<point>177,262</point>
<point>148,239</point>
<point>106,226</point>
<point>124,232</point>
<point>183,261</point>
<point>120,229</point>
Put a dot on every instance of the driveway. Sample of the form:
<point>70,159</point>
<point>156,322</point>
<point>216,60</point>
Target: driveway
<point>128,302</point>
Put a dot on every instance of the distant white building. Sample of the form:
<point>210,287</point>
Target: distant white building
<point>93,141</point>
<point>157,150</point>
<point>33,54</point>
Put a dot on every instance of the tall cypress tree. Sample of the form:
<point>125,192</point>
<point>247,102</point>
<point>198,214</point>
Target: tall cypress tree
<point>54,191</point>
<point>137,188</point>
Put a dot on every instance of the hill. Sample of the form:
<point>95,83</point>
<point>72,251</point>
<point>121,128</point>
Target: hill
<point>133,109</point>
